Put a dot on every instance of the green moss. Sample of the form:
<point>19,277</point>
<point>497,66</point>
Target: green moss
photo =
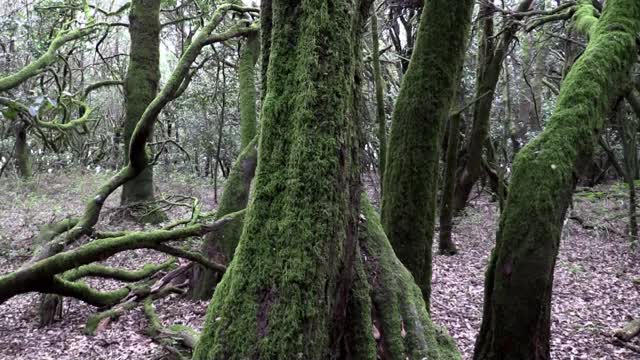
<point>276,301</point>
<point>247,89</point>
<point>141,87</point>
<point>397,300</point>
<point>516,318</point>
<point>585,17</point>
<point>423,104</point>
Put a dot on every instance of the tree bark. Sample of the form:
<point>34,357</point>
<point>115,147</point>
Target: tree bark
<point>141,87</point>
<point>518,285</point>
<point>422,107</point>
<point>491,56</point>
<point>446,245</point>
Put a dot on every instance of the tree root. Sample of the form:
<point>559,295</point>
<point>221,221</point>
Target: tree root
<point>629,331</point>
<point>399,316</point>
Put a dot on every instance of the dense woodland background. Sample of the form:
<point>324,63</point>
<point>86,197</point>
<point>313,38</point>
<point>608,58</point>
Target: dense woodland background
<point>494,143</point>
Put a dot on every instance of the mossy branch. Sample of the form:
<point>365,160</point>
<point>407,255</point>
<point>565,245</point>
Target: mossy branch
<point>32,69</point>
<point>97,270</point>
<point>39,275</point>
<point>585,17</point>
<point>144,128</point>
<point>82,291</point>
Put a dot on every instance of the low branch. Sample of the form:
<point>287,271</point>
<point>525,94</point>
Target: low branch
<point>40,275</point>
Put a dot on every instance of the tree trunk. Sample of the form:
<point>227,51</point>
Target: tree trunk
<point>422,107</point>
<point>446,245</point>
<point>23,161</point>
<point>141,87</point>
<point>379,84</point>
<point>516,316</point>
<point>491,56</point>
<point>247,89</point>
<point>628,134</point>
<point>285,293</point>
<point>220,245</point>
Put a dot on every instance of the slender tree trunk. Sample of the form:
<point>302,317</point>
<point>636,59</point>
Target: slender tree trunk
<point>519,280</point>
<point>411,172</point>
<point>22,156</point>
<point>247,89</point>
<point>491,56</point>
<point>141,87</point>
<point>220,245</point>
<point>446,245</point>
<point>379,84</point>
<point>628,132</point>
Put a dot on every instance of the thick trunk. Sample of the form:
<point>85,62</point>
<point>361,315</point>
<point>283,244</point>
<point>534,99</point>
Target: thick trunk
<point>516,316</point>
<point>141,87</point>
<point>285,293</point>
<point>422,107</point>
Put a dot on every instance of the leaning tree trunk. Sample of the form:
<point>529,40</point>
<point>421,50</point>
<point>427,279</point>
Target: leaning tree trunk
<point>141,86</point>
<point>518,285</point>
<point>411,170</point>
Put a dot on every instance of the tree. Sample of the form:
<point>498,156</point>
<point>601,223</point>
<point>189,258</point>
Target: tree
<point>141,87</point>
<point>235,196</point>
<point>491,55</point>
<point>299,284</point>
<point>413,154</point>
<point>519,279</point>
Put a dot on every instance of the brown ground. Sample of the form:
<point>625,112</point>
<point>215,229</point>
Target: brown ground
<point>594,288</point>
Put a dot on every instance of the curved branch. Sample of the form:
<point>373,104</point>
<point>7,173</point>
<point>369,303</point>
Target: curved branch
<point>40,276</point>
<point>34,68</point>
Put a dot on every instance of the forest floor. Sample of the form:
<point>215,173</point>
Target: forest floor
<point>595,291</point>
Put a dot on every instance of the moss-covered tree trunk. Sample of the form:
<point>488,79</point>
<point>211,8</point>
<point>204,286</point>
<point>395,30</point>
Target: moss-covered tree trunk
<point>379,85</point>
<point>285,293</point>
<point>247,88</point>
<point>519,280</point>
<point>141,87</point>
<point>422,107</point>
<point>22,155</point>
